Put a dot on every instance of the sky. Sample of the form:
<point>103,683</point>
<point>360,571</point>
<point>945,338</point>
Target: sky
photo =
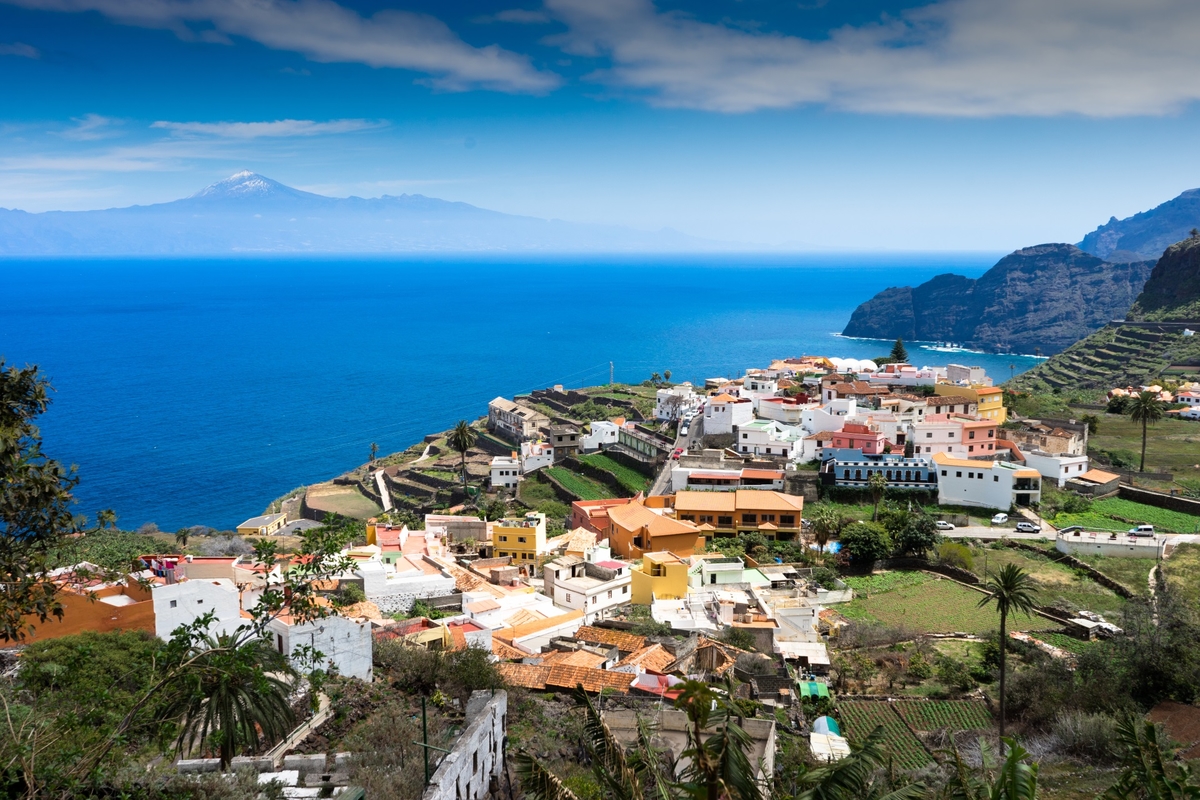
<point>807,125</point>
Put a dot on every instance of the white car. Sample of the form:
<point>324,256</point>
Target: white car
<point>1029,527</point>
<point>1000,519</point>
<point>1142,530</point>
<point>942,525</point>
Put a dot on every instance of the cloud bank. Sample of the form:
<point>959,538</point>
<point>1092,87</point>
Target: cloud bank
<point>972,58</point>
<point>259,130</point>
<point>19,49</point>
<point>324,31</point>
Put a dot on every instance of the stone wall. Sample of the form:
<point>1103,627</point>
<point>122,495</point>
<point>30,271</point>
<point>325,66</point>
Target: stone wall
<point>1159,500</point>
<point>1064,558</point>
<point>471,771</point>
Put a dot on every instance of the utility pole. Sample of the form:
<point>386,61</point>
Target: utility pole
<point>610,374</point>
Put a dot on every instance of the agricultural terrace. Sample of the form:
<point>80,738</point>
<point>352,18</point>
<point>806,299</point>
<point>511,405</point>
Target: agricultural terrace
<point>1115,514</point>
<point>1057,584</point>
<point>860,718</point>
<point>632,480</point>
<point>1172,445</point>
<point>924,604</point>
<point>581,486</point>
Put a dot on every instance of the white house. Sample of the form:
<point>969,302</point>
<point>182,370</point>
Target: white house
<point>937,434</point>
<point>760,384</point>
<point>671,404</point>
<point>182,603</point>
<point>986,484</point>
<point>787,410</point>
<point>345,644</point>
<point>723,413</point>
<point>1058,468</point>
<point>592,586</point>
<point>828,417</point>
<point>535,455</point>
<point>602,434</point>
<point>399,581</point>
<point>767,437</point>
<point>506,472</point>
<point>1190,413</point>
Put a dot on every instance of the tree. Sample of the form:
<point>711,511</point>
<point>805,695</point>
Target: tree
<point>877,485</point>
<point>230,693</point>
<point>1093,423</point>
<point>374,451</point>
<point>1011,589</point>
<point>1147,409</point>
<point>1194,233</point>
<point>899,353</point>
<point>462,438</point>
<point>862,775</point>
<point>1016,778</point>
<point>106,518</point>
<point>918,536</point>
<point>909,448</point>
<point>35,501</point>
<point>1146,771</point>
<point>865,542</point>
<point>825,523</point>
<point>667,375</point>
<point>181,537</point>
<point>655,378</point>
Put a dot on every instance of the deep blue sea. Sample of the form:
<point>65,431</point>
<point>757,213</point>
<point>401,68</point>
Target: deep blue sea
<point>195,392</point>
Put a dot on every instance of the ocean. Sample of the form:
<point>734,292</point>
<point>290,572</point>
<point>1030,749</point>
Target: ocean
<point>197,391</point>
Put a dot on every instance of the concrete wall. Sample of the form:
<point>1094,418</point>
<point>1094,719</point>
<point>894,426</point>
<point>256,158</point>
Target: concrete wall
<point>345,643</point>
<point>1160,500</point>
<point>398,595</point>
<point>181,603</point>
<point>467,772</point>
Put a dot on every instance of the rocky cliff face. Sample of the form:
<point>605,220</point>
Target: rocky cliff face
<point>1173,291</point>
<point>1148,234</point>
<point>1041,298</point>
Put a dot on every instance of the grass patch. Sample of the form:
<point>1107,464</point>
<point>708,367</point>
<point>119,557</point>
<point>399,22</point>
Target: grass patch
<point>935,606</point>
<point>580,485</point>
<point>1171,444</point>
<point>1115,514</point>
<point>1182,572</point>
<point>1132,573</point>
<point>885,582</point>
<point>1069,643</point>
<point>442,474</point>
<point>630,479</point>
<point>1055,582</point>
<point>860,718</point>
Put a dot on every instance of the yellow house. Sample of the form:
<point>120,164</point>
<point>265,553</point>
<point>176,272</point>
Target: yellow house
<point>728,514</point>
<point>265,525</point>
<point>661,575</point>
<point>522,539</point>
<point>988,399</point>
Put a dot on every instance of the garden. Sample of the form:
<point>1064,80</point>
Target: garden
<point>924,604</point>
<point>630,479</point>
<point>581,486</point>
<point>1116,514</point>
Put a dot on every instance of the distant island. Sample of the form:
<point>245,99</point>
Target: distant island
<point>249,213</point>
<point>1037,300</point>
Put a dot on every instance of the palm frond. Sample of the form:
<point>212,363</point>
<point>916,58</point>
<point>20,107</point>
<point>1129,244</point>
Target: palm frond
<point>608,753</point>
<point>538,782</point>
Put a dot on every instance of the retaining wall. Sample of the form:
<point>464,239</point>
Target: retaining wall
<point>1064,558</point>
<point>1171,502</point>
<point>471,771</point>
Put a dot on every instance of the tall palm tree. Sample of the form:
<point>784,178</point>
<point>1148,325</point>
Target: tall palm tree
<point>1147,409</point>
<point>181,538</point>
<point>106,518</point>
<point>877,484</point>
<point>374,451</point>
<point>232,697</point>
<point>1011,589</point>
<point>462,439</point>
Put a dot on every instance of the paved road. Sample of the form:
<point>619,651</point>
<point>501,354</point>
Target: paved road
<point>998,532</point>
<point>662,483</point>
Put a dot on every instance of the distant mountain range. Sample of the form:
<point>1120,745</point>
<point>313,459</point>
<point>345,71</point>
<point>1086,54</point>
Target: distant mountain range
<point>1042,298</point>
<point>249,213</point>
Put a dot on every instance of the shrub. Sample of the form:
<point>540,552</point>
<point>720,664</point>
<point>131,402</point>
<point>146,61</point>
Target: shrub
<point>954,673</point>
<point>865,542</point>
<point>737,637</point>
<point>918,668</point>
<point>420,671</point>
<point>954,554</point>
<point>1092,737</point>
<point>352,593</point>
<point>824,576</point>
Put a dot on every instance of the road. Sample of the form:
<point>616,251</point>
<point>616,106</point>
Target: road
<point>662,483</point>
<point>998,532</point>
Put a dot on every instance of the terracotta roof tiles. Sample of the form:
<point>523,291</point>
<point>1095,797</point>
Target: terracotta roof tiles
<point>625,642</point>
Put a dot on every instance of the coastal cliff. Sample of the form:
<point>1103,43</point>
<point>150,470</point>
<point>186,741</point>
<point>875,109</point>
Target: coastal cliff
<point>1148,234</point>
<point>1173,291</point>
<point>1040,298</point>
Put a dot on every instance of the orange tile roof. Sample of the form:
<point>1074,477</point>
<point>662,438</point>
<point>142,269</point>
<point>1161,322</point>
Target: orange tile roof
<point>762,473</point>
<point>506,652</point>
<point>517,631</point>
<point>573,658</point>
<point>530,676</point>
<point>593,680</point>
<point>1099,476</point>
<point>635,516</point>
<point>655,657</point>
<point>625,642</point>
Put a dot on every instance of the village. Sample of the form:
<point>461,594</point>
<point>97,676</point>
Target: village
<point>749,527</point>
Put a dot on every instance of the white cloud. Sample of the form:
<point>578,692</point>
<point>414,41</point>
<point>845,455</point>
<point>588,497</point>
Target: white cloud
<point>519,16</point>
<point>1101,58</point>
<point>19,49</point>
<point>90,127</point>
<point>324,31</point>
<point>257,130</point>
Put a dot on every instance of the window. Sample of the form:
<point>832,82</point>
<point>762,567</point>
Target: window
<point>768,517</point>
<point>971,448</point>
<point>943,473</point>
<point>504,538</point>
<point>199,602</point>
<point>745,449</point>
<point>521,539</point>
<point>928,449</point>
<point>610,594</point>
<point>745,436</point>
<point>727,522</point>
<point>749,519</point>
<point>706,518</point>
<point>970,474</point>
<point>174,603</point>
<point>991,434</point>
<point>568,597</point>
<point>624,590</point>
<point>995,479</point>
<point>688,517</point>
<point>768,450</point>
<point>929,435</point>
<point>712,578</point>
<point>889,474</point>
<point>595,599</point>
<point>957,474</point>
<point>971,434</point>
<point>951,434</point>
<point>908,475</point>
<point>787,519</point>
<point>858,474</point>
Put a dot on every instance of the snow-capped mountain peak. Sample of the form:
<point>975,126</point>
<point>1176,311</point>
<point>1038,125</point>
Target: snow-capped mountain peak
<point>245,185</point>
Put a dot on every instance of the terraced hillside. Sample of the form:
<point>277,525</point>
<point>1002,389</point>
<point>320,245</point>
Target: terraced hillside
<point>1120,355</point>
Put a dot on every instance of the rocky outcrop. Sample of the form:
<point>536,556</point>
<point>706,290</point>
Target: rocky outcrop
<point>1041,298</point>
<point>1148,234</point>
<point>1173,291</point>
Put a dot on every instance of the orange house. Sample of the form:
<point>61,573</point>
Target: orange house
<point>634,529</point>
<point>94,606</point>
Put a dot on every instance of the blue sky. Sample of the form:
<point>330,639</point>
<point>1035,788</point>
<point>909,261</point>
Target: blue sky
<point>956,124</point>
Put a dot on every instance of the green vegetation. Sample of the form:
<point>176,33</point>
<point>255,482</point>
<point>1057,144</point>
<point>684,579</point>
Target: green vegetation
<point>1172,445</point>
<point>860,718</point>
<point>1054,584</point>
<point>1182,573</point>
<point>632,480</point>
<point>953,715</point>
<point>930,606</point>
<point>109,549</point>
<point>541,497</point>
<point>1115,514</point>
<point>868,585</point>
<point>581,486</point>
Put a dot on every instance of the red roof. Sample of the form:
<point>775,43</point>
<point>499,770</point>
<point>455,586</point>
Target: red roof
<point>762,473</point>
<point>612,564</point>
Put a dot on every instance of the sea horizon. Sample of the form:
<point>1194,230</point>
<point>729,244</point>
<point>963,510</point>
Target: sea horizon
<point>195,391</point>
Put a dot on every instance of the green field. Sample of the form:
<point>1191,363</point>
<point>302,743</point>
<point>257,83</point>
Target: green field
<point>1054,581</point>
<point>954,715</point>
<point>1172,444</point>
<point>1182,571</point>
<point>932,606</point>
<point>1132,573</point>
<point>1065,642</point>
<point>630,479</point>
<point>859,719</point>
<point>1115,514</point>
<point>580,485</point>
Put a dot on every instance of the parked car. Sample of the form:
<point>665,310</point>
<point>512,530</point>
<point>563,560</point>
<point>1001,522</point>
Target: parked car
<point>683,431</point>
<point>1029,527</point>
<point>1142,530</point>
<point>942,525</point>
<point>678,452</point>
<point>1000,519</point>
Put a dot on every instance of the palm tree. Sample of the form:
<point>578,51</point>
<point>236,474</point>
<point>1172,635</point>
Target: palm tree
<point>462,438</point>
<point>181,538</point>
<point>374,451</point>
<point>233,696</point>
<point>1147,409</point>
<point>877,484</point>
<point>858,776</point>
<point>106,518</point>
<point>667,375</point>
<point>1015,780</point>
<point>1011,589</point>
<point>825,522</point>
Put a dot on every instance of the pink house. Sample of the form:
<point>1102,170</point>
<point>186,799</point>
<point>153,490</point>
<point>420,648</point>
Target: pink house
<point>854,436</point>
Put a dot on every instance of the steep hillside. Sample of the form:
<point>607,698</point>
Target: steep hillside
<point>1040,298</point>
<point>1148,234</point>
<point>1151,345</point>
